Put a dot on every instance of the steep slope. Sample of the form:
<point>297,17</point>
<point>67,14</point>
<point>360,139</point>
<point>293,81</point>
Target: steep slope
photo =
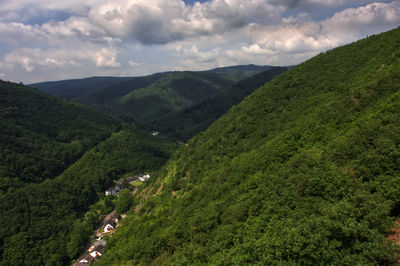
<point>237,73</point>
<point>96,91</point>
<point>56,159</point>
<point>146,100</point>
<point>73,89</point>
<point>41,135</point>
<point>170,93</point>
<point>304,171</point>
<point>186,123</point>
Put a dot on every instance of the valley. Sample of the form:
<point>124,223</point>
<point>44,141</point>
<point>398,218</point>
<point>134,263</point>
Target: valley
<point>249,164</point>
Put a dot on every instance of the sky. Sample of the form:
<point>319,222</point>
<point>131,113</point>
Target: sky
<point>42,40</point>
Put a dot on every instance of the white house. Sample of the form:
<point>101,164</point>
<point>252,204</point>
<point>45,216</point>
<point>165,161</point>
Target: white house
<point>85,260</point>
<point>95,254</point>
<point>113,190</point>
<point>109,226</point>
<point>144,178</point>
<point>97,251</point>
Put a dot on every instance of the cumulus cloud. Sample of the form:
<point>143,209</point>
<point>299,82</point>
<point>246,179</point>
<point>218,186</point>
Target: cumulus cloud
<point>160,21</point>
<point>111,37</point>
<point>31,59</point>
<point>297,37</point>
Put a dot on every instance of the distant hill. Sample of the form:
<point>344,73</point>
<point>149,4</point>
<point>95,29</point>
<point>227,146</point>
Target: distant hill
<point>151,101</point>
<point>236,73</point>
<point>170,93</point>
<point>94,90</point>
<point>304,171</point>
<point>56,159</point>
<point>42,135</point>
<point>189,121</point>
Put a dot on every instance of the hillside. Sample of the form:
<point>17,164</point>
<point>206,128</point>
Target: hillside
<point>189,121</point>
<point>57,158</point>
<point>95,90</point>
<point>146,100</point>
<point>41,135</point>
<point>304,171</point>
<point>237,73</point>
<point>170,93</point>
<point>98,90</point>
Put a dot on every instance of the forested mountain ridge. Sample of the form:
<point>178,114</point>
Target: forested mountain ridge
<point>154,100</point>
<point>189,121</point>
<point>57,158</point>
<point>41,135</point>
<point>88,90</point>
<point>304,171</point>
<point>170,93</point>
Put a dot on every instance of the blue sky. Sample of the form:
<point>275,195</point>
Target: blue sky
<point>51,40</point>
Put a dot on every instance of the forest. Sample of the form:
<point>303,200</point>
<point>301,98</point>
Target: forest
<point>298,165</point>
<point>57,158</point>
<point>178,104</point>
<point>303,171</point>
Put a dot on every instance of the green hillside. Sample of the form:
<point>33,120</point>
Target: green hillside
<point>41,135</point>
<point>170,93</point>
<point>305,171</point>
<point>189,121</point>
<point>57,158</point>
<point>154,100</point>
<point>237,73</point>
<point>74,89</point>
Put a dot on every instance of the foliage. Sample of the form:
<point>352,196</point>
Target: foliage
<point>166,102</point>
<point>304,171</point>
<point>43,217</point>
<point>41,136</point>
<point>189,121</point>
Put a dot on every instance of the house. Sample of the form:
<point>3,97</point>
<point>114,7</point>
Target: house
<point>109,226</point>
<point>155,133</point>
<point>85,260</point>
<point>144,178</point>
<point>110,191</point>
<point>97,252</point>
<point>113,190</point>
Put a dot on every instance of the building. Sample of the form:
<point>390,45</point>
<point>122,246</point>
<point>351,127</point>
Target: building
<point>109,226</point>
<point>144,178</point>
<point>97,252</point>
<point>113,190</point>
<point>85,260</point>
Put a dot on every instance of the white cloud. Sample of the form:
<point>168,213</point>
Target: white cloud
<point>32,59</point>
<point>106,58</point>
<point>111,37</point>
<point>160,21</point>
<point>133,64</point>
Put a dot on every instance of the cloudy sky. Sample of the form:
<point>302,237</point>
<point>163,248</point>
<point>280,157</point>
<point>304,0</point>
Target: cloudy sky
<point>52,39</point>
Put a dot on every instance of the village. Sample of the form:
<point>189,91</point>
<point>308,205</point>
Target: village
<point>94,248</point>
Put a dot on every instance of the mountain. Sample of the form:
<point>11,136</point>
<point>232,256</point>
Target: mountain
<point>95,90</point>
<point>42,135</point>
<point>178,104</point>
<point>170,93</point>
<point>303,171</point>
<point>57,158</point>
<point>189,121</point>
<point>237,73</point>
<point>89,90</point>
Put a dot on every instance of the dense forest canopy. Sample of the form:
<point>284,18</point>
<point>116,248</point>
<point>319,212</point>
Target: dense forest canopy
<point>177,104</point>
<point>303,171</point>
<point>57,158</point>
